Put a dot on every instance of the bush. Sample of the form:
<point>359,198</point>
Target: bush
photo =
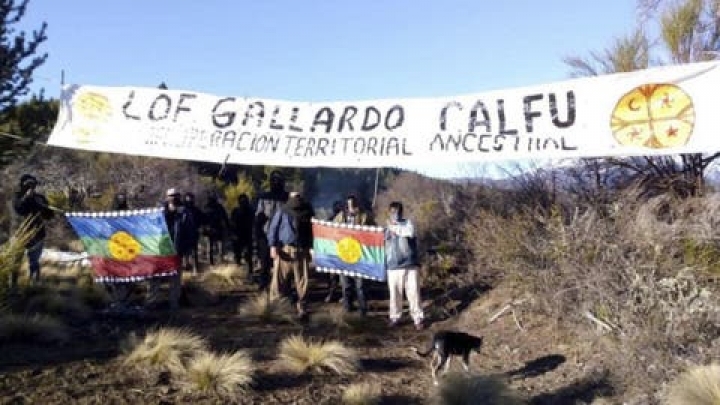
<point>362,394</point>
<point>619,270</point>
<point>225,375</point>
<point>166,348</point>
<point>301,356</point>
<point>262,308</point>
<point>697,386</point>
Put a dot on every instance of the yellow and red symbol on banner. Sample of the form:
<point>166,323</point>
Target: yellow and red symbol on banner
<point>655,116</point>
<point>123,246</point>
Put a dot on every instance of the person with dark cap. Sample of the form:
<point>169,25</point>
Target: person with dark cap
<point>241,223</point>
<point>33,206</point>
<point>268,204</point>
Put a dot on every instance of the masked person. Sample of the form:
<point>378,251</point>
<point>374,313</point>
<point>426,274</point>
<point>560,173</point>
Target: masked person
<point>33,206</point>
<point>241,223</point>
<point>192,259</point>
<point>215,225</point>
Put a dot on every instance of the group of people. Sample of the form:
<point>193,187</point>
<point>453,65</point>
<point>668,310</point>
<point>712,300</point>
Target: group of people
<point>284,230</point>
<point>280,230</point>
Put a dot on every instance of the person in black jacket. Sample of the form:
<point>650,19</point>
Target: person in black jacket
<point>120,202</point>
<point>215,225</point>
<point>194,234</point>
<point>241,223</point>
<point>181,224</point>
<point>29,204</point>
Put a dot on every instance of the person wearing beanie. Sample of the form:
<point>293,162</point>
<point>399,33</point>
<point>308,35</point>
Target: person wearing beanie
<point>32,206</point>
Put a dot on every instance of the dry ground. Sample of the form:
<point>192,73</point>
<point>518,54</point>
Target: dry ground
<point>540,361</point>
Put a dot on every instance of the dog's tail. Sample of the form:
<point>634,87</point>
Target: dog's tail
<point>425,353</point>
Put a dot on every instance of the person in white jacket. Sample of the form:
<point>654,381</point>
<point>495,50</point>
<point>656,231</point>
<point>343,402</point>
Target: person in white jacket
<point>402,266</point>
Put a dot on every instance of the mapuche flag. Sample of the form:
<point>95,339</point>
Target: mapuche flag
<point>126,246</point>
<point>354,250</point>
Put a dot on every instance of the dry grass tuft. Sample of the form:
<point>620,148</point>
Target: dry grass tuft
<point>464,389</point>
<point>351,322</point>
<point>11,256</point>
<point>167,348</point>
<point>229,275</point>
<point>302,356</point>
<point>697,386</point>
<point>225,375</point>
<point>37,329</point>
<point>263,309</point>
<point>362,394</point>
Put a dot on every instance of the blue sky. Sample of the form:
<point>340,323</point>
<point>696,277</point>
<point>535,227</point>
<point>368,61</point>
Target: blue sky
<point>321,50</point>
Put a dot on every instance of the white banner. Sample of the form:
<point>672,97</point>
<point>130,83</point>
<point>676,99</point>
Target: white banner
<point>657,111</point>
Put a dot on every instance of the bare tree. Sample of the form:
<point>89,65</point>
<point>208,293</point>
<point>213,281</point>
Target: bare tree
<point>689,31</point>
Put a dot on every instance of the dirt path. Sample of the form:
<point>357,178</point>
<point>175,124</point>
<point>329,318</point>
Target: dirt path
<point>536,361</point>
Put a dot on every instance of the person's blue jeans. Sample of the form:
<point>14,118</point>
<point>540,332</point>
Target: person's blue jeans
<point>345,282</point>
<point>33,254</point>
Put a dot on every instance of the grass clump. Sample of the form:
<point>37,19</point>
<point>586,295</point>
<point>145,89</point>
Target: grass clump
<point>224,375</point>
<point>362,394</point>
<point>301,356</point>
<point>167,348</point>
<point>264,309</point>
<point>696,386</point>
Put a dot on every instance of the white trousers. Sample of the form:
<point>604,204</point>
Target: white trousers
<point>406,280</point>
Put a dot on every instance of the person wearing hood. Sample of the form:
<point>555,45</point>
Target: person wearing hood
<point>290,239</point>
<point>216,224</point>
<point>192,259</point>
<point>241,223</point>
<point>29,204</point>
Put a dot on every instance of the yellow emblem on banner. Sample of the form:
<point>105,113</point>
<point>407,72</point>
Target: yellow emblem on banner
<point>93,110</point>
<point>349,250</point>
<point>123,246</point>
<point>654,116</point>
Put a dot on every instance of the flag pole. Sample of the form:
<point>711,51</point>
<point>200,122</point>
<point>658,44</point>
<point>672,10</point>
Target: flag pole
<point>377,180</point>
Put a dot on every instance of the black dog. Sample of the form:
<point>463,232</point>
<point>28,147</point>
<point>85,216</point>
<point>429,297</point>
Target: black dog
<point>446,344</point>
